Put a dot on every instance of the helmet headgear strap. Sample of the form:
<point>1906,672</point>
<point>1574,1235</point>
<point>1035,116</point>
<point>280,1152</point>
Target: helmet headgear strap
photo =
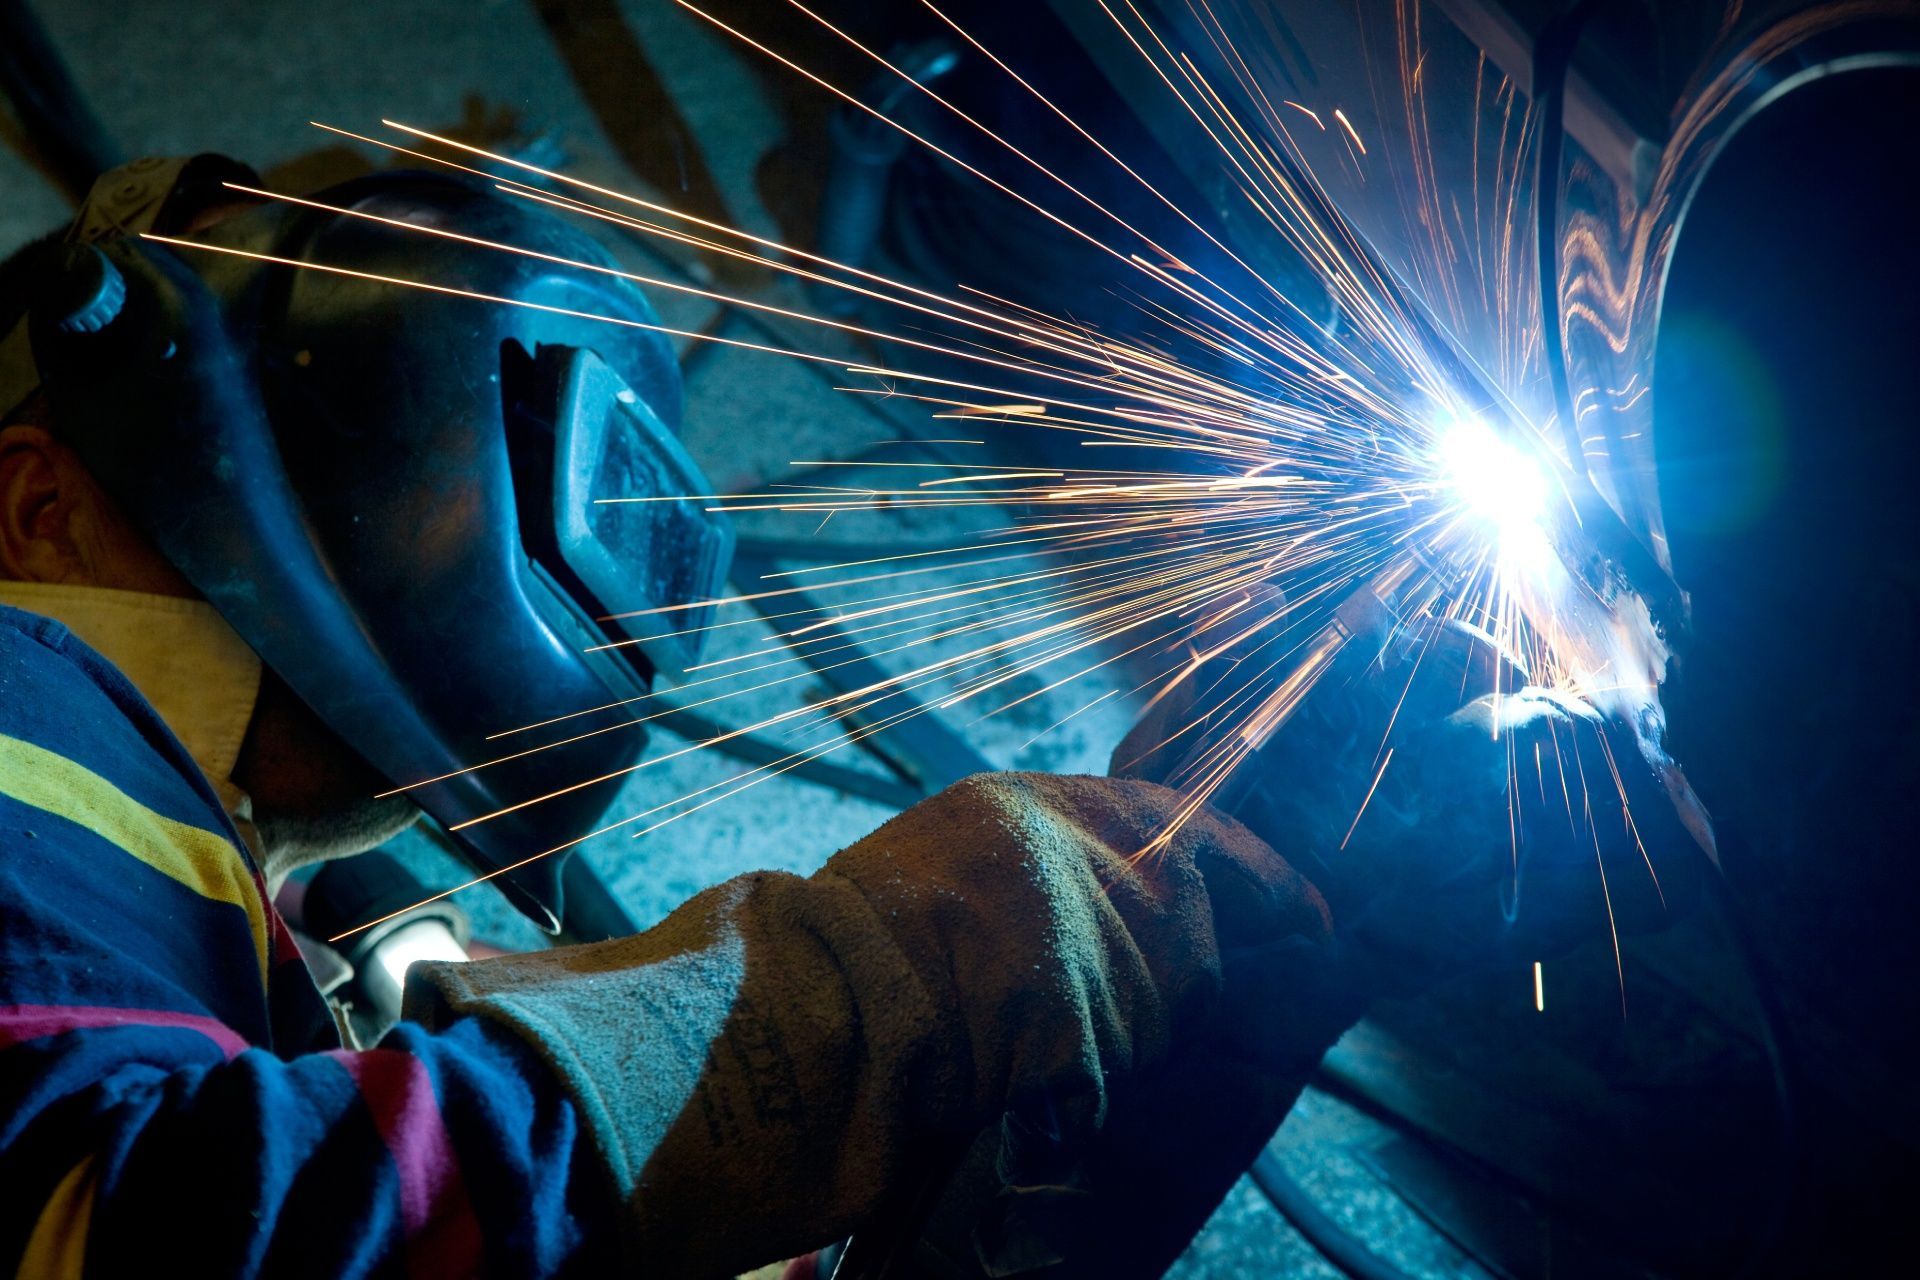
<point>153,193</point>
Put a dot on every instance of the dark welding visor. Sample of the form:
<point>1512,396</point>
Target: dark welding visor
<point>394,495</point>
<point>594,470</point>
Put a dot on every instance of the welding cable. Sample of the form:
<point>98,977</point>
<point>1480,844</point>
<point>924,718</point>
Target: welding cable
<point>867,143</point>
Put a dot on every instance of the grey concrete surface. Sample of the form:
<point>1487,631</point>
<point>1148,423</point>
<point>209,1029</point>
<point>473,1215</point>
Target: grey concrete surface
<point>245,77</point>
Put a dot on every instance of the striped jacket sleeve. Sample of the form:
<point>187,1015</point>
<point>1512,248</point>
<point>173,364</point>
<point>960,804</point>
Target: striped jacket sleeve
<point>155,1113</point>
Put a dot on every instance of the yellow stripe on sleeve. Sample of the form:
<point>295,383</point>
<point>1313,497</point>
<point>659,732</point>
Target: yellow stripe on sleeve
<point>204,861</point>
<point>57,1249</point>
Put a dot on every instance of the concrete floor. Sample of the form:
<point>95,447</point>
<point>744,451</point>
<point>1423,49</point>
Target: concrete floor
<point>244,77</point>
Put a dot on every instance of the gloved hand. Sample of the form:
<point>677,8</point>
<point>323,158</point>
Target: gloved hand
<point>1452,815</point>
<point>1453,864</point>
<point>1045,1197</point>
<point>1517,828</point>
<point>762,1068</point>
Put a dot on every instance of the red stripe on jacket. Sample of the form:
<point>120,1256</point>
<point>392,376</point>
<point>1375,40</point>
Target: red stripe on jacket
<point>23,1022</point>
<point>443,1236</point>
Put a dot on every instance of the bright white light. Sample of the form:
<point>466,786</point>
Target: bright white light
<point>415,941</point>
<point>1491,478</point>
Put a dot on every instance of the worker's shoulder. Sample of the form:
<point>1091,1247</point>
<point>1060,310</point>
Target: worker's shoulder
<point>59,696</point>
<point>43,666</point>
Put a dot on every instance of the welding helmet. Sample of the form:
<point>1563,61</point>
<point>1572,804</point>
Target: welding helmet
<point>391,493</point>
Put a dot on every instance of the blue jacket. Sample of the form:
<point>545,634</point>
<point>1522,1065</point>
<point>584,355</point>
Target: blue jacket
<point>173,1098</point>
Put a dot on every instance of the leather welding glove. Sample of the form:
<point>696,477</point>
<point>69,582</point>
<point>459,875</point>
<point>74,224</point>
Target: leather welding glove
<point>1034,1199</point>
<point>762,1069</point>
<point>1420,879</point>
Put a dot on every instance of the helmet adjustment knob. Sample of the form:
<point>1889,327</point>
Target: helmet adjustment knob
<point>89,292</point>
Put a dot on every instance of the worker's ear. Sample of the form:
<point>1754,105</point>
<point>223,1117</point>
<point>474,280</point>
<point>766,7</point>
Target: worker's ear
<point>58,525</point>
<point>37,508</point>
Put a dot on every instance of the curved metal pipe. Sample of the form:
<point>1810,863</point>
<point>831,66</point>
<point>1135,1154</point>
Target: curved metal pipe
<point>67,139</point>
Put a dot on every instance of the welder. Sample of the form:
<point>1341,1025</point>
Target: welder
<point>276,542</point>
